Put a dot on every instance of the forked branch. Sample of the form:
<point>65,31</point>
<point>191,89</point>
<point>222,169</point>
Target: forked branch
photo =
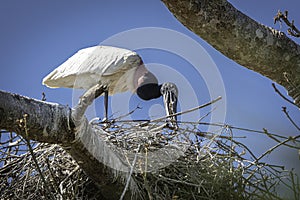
<point>293,30</point>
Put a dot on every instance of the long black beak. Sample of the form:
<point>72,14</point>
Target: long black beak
<point>169,92</point>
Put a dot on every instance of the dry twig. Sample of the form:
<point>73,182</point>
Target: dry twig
<point>293,30</point>
<point>207,165</point>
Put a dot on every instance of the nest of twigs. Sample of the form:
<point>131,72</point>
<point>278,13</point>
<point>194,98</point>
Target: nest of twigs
<point>212,166</point>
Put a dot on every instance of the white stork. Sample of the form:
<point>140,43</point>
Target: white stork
<point>119,70</point>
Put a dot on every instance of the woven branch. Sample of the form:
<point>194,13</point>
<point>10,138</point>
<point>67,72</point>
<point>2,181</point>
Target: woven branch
<point>201,165</point>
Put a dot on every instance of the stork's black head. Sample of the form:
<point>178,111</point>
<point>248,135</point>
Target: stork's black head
<point>169,92</point>
<point>149,91</point>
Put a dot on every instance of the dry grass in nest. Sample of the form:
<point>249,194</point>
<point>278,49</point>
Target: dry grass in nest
<point>212,166</point>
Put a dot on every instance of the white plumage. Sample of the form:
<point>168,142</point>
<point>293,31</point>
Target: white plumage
<point>110,66</point>
<point>118,69</point>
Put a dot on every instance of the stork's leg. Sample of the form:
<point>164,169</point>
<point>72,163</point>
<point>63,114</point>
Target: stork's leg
<point>105,105</point>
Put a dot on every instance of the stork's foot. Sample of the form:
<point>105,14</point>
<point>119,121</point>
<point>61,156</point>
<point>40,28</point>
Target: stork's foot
<point>104,120</point>
<point>105,123</point>
<point>172,125</point>
<point>94,121</point>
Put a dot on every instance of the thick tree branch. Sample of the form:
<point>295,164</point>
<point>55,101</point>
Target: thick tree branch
<point>46,122</point>
<point>53,123</point>
<point>240,38</point>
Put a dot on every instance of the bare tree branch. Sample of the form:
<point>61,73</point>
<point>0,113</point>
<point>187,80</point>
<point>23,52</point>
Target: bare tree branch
<point>249,43</point>
<point>53,123</point>
<point>280,94</point>
<point>240,38</point>
<point>205,163</point>
<point>46,122</point>
<point>290,119</point>
<point>293,31</point>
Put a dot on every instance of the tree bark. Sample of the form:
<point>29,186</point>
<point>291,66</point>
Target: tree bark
<point>46,122</point>
<point>238,37</point>
<point>249,43</point>
<point>57,124</point>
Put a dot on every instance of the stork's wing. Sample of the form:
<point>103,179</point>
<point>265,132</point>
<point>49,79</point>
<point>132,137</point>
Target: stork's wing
<point>86,67</point>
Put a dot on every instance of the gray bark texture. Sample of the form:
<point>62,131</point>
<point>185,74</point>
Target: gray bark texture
<point>238,37</point>
<point>46,122</point>
<point>58,124</point>
<point>249,43</point>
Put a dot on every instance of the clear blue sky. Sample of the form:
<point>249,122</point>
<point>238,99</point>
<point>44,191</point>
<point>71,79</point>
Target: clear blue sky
<point>37,36</point>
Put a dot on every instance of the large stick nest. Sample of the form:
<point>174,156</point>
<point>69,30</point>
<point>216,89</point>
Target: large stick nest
<point>212,166</point>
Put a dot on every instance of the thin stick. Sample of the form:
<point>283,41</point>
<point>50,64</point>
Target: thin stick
<point>242,129</point>
<point>130,173</point>
<point>293,31</point>
<point>175,114</point>
<point>187,111</point>
<point>207,114</point>
<point>276,146</point>
<point>280,94</point>
<point>212,124</point>
<point>62,182</point>
<point>132,120</point>
<point>122,116</point>
<point>289,117</point>
<point>35,161</point>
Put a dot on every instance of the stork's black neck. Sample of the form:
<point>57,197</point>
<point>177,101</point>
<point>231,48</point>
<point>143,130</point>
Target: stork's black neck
<point>149,91</point>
